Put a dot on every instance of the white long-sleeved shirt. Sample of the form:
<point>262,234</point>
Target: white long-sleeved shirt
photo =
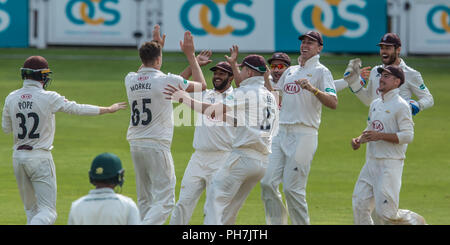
<point>300,106</point>
<point>391,114</point>
<point>104,207</point>
<point>29,113</point>
<point>211,134</point>
<point>151,113</point>
<point>256,113</point>
<point>414,84</point>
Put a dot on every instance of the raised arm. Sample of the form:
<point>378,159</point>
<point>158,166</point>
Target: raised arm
<point>203,58</point>
<point>187,46</point>
<point>157,35</point>
<point>232,59</point>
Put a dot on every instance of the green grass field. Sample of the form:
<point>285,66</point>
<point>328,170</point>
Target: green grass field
<point>95,76</point>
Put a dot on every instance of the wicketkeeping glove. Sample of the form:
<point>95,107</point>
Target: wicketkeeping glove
<point>352,75</point>
<point>415,108</point>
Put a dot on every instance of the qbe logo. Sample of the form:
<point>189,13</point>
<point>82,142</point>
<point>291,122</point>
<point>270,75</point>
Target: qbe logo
<point>206,17</point>
<point>93,12</point>
<point>325,15</point>
<point>4,17</point>
<point>438,19</point>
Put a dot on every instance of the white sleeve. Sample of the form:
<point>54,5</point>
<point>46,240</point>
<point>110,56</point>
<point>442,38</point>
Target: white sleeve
<point>365,93</point>
<point>71,221</point>
<point>6,119</point>
<point>340,84</point>
<point>60,103</point>
<point>133,215</point>
<point>421,91</point>
<point>176,80</point>
<point>327,84</point>
<point>405,125</point>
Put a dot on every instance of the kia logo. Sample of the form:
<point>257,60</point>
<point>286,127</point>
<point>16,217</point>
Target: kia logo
<point>26,96</point>
<point>292,88</point>
<point>377,126</point>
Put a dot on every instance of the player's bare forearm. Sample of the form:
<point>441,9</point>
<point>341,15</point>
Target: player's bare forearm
<point>327,100</point>
<point>368,136</point>
<point>113,108</point>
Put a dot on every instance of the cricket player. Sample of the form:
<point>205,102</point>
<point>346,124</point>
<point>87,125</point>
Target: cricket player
<point>389,130</point>
<point>151,128</point>
<point>212,144</point>
<point>253,111</point>
<point>390,46</point>
<point>304,89</point>
<point>102,206</point>
<point>278,63</point>
<point>29,114</point>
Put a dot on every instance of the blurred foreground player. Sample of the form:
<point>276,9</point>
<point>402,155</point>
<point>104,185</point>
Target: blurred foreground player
<point>102,206</point>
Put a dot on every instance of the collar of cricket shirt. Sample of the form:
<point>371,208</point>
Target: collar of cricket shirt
<point>310,62</point>
<point>391,94</point>
<point>32,83</point>
<point>148,69</point>
<point>101,191</point>
<point>253,80</point>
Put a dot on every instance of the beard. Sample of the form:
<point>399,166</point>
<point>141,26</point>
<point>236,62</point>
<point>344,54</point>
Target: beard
<point>390,59</point>
<point>221,85</point>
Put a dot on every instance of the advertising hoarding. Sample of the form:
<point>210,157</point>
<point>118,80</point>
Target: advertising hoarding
<point>14,23</point>
<point>92,22</point>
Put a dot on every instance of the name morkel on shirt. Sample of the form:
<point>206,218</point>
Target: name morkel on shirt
<point>151,113</point>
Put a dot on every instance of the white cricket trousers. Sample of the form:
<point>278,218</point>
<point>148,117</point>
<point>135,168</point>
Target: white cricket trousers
<point>155,183</point>
<point>197,177</point>
<point>36,180</point>
<point>378,187</point>
<point>293,150</point>
<point>231,185</point>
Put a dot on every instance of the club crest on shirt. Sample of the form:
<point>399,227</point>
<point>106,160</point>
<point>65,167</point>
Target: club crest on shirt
<point>377,125</point>
<point>292,88</point>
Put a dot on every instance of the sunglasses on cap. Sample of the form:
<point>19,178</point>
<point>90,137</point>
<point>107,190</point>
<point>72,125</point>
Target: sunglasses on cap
<point>257,68</point>
<point>279,66</point>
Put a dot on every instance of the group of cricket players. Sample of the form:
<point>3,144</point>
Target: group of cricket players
<point>263,129</point>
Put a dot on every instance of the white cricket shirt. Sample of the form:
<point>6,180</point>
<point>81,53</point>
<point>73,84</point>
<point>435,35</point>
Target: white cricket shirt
<point>29,113</point>
<point>151,113</point>
<point>104,207</point>
<point>256,113</point>
<point>300,106</point>
<point>414,84</point>
<point>391,114</point>
<point>211,134</point>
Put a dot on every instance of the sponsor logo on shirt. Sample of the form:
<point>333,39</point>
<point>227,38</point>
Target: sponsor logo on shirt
<point>422,86</point>
<point>26,96</point>
<point>292,88</point>
<point>143,78</point>
<point>377,126</point>
<point>330,90</point>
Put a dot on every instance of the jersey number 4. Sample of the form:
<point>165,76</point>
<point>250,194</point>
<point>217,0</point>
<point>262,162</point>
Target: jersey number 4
<point>136,114</point>
<point>23,126</point>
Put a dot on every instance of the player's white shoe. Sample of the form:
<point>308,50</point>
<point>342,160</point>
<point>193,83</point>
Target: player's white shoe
<point>352,75</point>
